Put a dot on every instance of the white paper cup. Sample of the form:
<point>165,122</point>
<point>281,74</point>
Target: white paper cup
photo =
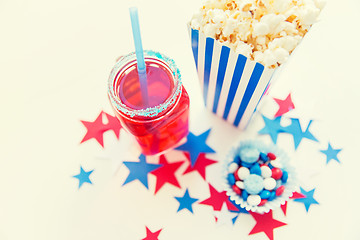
<point>232,84</point>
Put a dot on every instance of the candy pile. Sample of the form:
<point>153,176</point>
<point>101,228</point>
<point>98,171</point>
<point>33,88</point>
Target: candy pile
<point>257,177</point>
<point>266,31</point>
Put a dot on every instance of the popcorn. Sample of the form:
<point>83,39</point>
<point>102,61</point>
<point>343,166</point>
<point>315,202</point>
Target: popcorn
<point>266,31</point>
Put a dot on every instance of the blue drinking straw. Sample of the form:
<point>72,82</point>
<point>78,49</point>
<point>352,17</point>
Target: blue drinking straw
<point>139,54</point>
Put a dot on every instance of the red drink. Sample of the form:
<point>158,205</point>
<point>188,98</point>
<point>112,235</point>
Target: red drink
<point>161,121</point>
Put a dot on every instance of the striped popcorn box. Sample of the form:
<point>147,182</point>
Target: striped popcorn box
<point>232,84</point>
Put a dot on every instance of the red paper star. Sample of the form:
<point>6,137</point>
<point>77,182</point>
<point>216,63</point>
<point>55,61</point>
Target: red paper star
<point>95,130</point>
<point>265,223</point>
<point>113,124</point>
<point>166,173</point>
<point>284,207</point>
<point>200,165</point>
<point>297,195</point>
<point>284,105</point>
<point>150,235</point>
<point>217,199</point>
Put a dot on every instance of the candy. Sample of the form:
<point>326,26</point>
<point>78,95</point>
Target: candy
<point>278,184</point>
<point>263,201</point>
<point>233,167</point>
<point>272,196</point>
<point>247,165</point>
<point>243,173</point>
<point>254,200</point>
<point>249,155</point>
<point>280,190</point>
<point>254,184</point>
<point>265,171</point>
<point>271,156</point>
<point>265,194</point>
<point>236,176</point>
<point>245,194</point>
<point>264,157</point>
<point>237,160</point>
<point>231,179</point>
<point>240,184</point>
<point>269,183</point>
<point>236,189</point>
<point>284,177</point>
<point>255,169</point>
<point>276,173</point>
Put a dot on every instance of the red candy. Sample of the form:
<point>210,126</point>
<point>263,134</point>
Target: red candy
<point>236,189</point>
<point>280,190</point>
<point>276,173</point>
<point>271,156</point>
<point>236,176</point>
<point>263,201</point>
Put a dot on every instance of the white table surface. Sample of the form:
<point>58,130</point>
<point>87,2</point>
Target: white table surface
<point>55,58</point>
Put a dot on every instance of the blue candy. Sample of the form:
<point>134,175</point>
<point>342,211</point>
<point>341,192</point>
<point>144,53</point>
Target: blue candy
<point>237,160</point>
<point>244,194</point>
<point>284,177</point>
<point>254,184</point>
<point>249,155</point>
<point>231,179</point>
<point>255,169</point>
<point>264,157</point>
<point>270,166</point>
<point>272,196</point>
<point>265,194</point>
<point>247,165</point>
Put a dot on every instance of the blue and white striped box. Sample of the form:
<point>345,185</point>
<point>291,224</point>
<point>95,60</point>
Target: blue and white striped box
<point>232,84</point>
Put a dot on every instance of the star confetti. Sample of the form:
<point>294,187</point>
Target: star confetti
<point>151,235</point>
<point>186,201</point>
<point>200,165</point>
<point>308,199</point>
<point>331,153</point>
<point>265,223</point>
<point>272,127</point>
<point>196,145</point>
<point>83,176</point>
<point>217,199</point>
<point>97,128</point>
<point>113,124</point>
<point>295,129</point>
<point>166,173</point>
<point>224,216</point>
<point>284,105</point>
<point>295,195</point>
<point>140,170</point>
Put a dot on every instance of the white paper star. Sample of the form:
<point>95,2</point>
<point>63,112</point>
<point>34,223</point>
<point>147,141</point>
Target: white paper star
<point>224,216</point>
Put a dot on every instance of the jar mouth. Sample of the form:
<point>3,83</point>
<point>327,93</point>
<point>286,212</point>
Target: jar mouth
<point>123,63</point>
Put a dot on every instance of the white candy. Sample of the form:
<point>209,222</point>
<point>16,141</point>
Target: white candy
<point>243,173</point>
<point>276,163</point>
<point>269,183</point>
<point>265,172</point>
<point>254,200</point>
<point>278,184</point>
<point>233,167</point>
<point>240,184</point>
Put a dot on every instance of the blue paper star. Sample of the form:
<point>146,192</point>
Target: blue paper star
<point>140,170</point>
<point>295,129</point>
<point>196,145</point>
<point>331,153</point>
<point>186,202</point>
<point>308,200</point>
<point>272,127</point>
<point>83,176</point>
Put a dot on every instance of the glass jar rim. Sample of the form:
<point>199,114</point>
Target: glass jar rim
<point>150,111</point>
